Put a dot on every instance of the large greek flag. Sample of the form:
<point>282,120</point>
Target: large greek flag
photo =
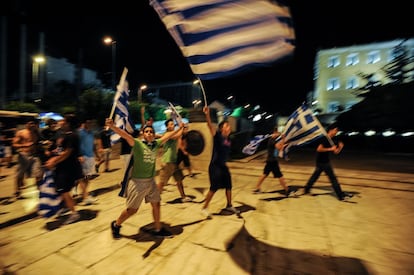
<point>122,119</point>
<point>224,37</point>
<point>301,128</point>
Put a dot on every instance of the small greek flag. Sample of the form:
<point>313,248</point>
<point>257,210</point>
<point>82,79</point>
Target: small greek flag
<point>254,143</point>
<point>122,119</point>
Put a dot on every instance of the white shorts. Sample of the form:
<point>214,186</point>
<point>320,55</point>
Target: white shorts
<point>88,166</point>
<point>138,189</point>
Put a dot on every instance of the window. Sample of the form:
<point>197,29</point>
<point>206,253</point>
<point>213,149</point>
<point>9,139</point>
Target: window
<point>333,61</point>
<point>333,107</point>
<point>352,83</point>
<point>333,84</point>
<point>352,59</point>
<point>373,57</point>
<point>349,105</point>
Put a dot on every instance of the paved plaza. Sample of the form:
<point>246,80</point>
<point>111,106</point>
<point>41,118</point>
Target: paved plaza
<point>372,233</point>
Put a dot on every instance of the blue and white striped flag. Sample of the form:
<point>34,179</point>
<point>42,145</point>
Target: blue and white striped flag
<point>251,148</point>
<point>49,200</point>
<point>122,119</point>
<point>220,38</point>
<point>301,128</point>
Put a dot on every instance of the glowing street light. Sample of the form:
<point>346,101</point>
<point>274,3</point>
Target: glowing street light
<point>140,90</point>
<point>109,41</point>
<point>37,84</point>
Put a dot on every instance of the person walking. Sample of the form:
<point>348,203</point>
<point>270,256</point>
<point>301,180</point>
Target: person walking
<point>104,149</point>
<point>68,169</point>
<point>275,143</point>
<point>142,182</point>
<point>327,145</point>
<point>218,171</point>
<point>182,153</point>
<point>87,160</point>
<point>169,165</point>
<point>26,142</point>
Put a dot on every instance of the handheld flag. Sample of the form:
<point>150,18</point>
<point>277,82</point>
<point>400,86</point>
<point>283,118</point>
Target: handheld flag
<point>251,148</point>
<point>50,202</point>
<point>174,114</point>
<point>220,38</point>
<point>120,109</point>
<point>301,128</point>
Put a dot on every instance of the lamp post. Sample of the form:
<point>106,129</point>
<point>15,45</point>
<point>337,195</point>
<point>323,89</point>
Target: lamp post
<point>140,90</point>
<point>37,84</point>
<point>109,41</point>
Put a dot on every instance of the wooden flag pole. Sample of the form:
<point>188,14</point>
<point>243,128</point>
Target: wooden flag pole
<point>119,88</point>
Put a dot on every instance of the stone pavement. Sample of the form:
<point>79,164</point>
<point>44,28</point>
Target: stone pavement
<point>312,234</point>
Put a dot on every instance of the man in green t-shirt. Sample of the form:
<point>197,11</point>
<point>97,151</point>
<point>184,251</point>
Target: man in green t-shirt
<point>142,183</point>
<point>169,165</point>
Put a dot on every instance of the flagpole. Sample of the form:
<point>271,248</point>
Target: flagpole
<point>202,90</point>
<point>119,88</point>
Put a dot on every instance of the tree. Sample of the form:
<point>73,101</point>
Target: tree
<point>384,107</point>
<point>400,69</point>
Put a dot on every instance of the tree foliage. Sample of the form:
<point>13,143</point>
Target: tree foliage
<point>385,107</point>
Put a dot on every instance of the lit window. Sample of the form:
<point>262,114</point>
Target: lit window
<point>352,59</point>
<point>352,83</point>
<point>333,61</point>
<point>333,107</point>
<point>333,84</point>
<point>373,57</point>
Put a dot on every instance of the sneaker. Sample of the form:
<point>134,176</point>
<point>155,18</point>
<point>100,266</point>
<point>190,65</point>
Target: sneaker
<point>256,191</point>
<point>232,209</point>
<point>115,230</point>
<point>97,169</point>
<point>306,191</point>
<point>346,196</point>
<point>88,201</point>
<point>186,199</point>
<point>205,213</point>
<point>290,192</point>
<point>72,218</point>
<point>62,211</point>
<point>162,233</point>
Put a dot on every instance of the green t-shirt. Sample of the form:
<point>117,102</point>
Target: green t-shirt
<point>169,154</point>
<point>145,157</point>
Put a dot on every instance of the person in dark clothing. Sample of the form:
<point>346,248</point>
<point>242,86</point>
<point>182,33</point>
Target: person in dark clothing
<point>327,145</point>
<point>68,169</point>
<point>274,145</point>
<point>218,171</point>
<point>104,149</point>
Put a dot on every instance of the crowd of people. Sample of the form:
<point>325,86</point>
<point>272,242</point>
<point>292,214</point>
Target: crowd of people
<point>68,147</point>
<point>74,152</point>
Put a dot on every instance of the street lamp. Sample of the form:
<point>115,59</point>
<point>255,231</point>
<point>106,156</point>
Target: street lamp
<point>140,90</point>
<point>37,84</point>
<point>109,41</point>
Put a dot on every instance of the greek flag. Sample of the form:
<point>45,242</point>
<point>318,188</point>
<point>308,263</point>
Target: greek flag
<point>122,119</point>
<point>220,38</point>
<point>251,148</point>
<point>301,128</point>
<point>49,200</point>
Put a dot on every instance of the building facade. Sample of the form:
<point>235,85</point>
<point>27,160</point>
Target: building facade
<point>341,74</point>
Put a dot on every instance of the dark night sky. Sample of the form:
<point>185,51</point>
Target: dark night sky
<point>146,48</point>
